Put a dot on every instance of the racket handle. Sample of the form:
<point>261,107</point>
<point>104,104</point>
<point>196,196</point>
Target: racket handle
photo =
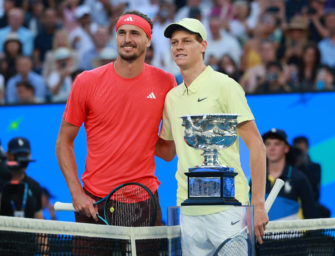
<point>273,194</point>
<point>59,206</point>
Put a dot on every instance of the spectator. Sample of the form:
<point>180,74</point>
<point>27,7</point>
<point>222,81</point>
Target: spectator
<point>60,81</point>
<point>68,8</point>
<point>7,6</point>
<point>35,16</point>
<point>295,39</point>
<point>26,93</point>
<point>268,23</point>
<point>44,38</point>
<point>291,72</point>
<point>240,24</point>
<point>61,39</point>
<point>221,43</point>
<point>81,37</point>
<point>308,67</point>
<point>100,38</point>
<point>102,11</point>
<point>315,13</point>
<point>312,170</point>
<point>12,50</point>
<point>106,56</point>
<point>15,20</point>
<point>275,81</point>
<point>252,50</point>
<point>306,165</point>
<point>21,185</point>
<point>228,66</point>
<point>160,43</point>
<point>325,80</point>
<point>49,212</point>
<point>25,73</point>
<point>184,11</point>
<point>327,45</point>
<point>297,191</point>
<point>256,75</point>
<point>224,10</point>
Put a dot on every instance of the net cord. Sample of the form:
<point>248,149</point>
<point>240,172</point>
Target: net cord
<point>87,230</point>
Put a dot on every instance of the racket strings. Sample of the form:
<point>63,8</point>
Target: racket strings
<point>237,245</point>
<point>131,206</point>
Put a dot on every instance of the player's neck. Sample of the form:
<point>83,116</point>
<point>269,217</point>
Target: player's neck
<point>190,74</point>
<point>275,168</point>
<point>127,69</point>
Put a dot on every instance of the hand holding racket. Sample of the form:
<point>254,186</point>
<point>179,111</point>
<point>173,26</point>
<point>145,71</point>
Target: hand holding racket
<point>238,242</point>
<point>130,204</point>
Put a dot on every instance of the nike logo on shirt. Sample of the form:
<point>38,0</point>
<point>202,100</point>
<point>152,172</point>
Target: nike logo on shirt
<point>234,222</point>
<point>201,99</point>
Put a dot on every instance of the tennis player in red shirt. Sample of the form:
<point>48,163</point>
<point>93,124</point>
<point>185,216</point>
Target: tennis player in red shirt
<point>120,105</point>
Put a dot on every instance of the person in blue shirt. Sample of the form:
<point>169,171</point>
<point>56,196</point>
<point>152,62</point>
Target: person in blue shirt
<point>25,73</point>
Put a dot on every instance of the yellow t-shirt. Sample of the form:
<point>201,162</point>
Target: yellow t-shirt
<point>210,92</point>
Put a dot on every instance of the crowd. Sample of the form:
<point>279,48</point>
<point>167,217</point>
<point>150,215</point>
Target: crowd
<point>273,46</point>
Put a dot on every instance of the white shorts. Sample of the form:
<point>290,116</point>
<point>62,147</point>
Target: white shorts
<point>203,234</point>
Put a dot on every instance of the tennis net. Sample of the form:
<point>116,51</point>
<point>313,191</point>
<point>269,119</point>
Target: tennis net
<point>23,236</point>
<point>312,237</point>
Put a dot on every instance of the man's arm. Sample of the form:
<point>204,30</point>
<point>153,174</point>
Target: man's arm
<point>67,163</point>
<point>251,137</point>
<point>165,149</point>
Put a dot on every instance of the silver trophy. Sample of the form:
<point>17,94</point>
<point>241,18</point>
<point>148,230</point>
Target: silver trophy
<point>211,183</point>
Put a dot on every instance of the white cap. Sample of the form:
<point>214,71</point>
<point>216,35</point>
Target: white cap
<point>81,10</point>
<point>107,54</point>
<point>192,25</point>
<point>62,53</point>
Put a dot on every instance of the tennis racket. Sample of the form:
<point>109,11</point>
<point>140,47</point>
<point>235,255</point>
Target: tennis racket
<point>130,204</point>
<point>237,243</point>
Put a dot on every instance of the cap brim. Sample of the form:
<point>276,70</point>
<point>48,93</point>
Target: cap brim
<point>19,151</point>
<point>173,27</point>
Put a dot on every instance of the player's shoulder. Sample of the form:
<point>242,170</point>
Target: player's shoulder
<point>33,184</point>
<point>225,82</point>
<point>176,91</point>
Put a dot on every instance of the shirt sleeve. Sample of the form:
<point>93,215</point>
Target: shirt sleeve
<point>76,106</point>
<point>237,102</point>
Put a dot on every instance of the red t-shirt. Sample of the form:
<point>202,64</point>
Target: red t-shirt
<point>121,118</point>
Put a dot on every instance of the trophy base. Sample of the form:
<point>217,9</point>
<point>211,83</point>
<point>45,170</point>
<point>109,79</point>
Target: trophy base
<point>211,201</point>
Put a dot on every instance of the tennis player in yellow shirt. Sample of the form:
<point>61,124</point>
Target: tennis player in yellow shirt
<point>204,90</point>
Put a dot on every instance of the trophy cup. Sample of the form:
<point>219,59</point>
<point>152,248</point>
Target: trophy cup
<point>211,183</point>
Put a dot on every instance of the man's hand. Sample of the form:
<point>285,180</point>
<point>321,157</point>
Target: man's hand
<point>261,219</point>
<point>84,205</point>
